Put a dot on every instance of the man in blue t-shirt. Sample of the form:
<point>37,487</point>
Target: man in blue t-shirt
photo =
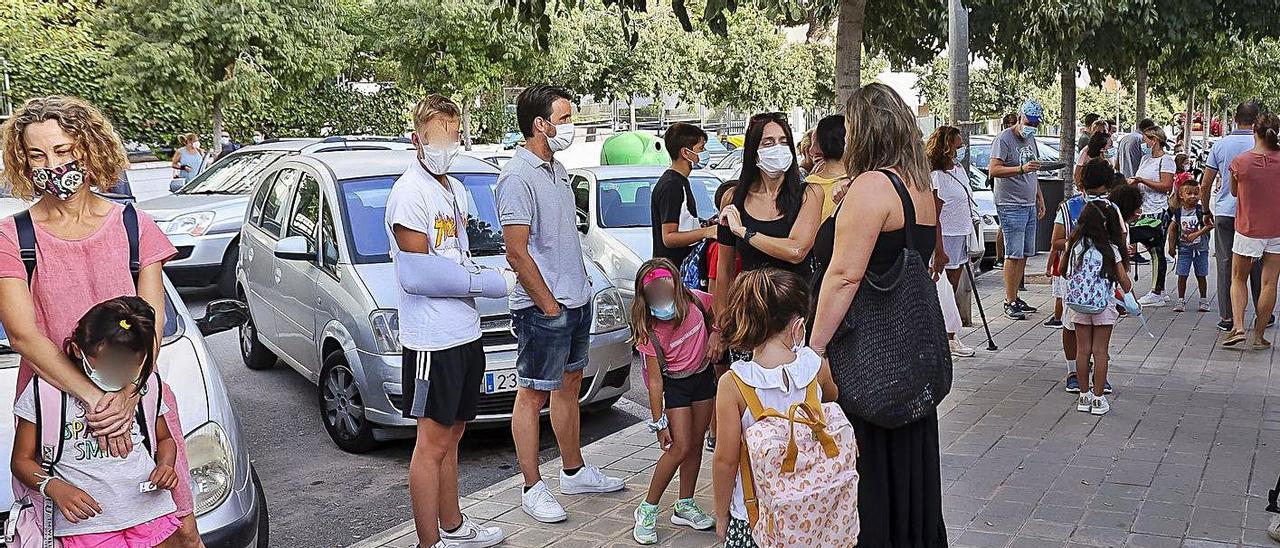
<point>1222,205</point>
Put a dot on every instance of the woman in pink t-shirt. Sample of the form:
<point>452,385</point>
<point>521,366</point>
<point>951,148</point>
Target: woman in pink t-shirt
<point>1255,181</point>
<point>57,150</point>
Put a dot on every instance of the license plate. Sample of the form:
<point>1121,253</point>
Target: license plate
<point>499,381</point>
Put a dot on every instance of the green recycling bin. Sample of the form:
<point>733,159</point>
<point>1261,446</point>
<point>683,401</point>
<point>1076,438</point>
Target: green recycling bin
<point>634,148</point>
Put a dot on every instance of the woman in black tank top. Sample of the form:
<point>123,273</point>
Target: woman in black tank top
<point>900,485</point>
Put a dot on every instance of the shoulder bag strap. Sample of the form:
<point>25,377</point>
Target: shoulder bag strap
<point>658,352</point>
<point>908,208</point>
<point>26,242</point>
<point>130,216</point>
<point>706,316</point>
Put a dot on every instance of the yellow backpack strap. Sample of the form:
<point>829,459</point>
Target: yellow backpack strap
<point>744,460</point>
<point>815,402</point>
<point>749,396</point>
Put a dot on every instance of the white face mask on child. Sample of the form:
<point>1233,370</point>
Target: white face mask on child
<point>107,385</point>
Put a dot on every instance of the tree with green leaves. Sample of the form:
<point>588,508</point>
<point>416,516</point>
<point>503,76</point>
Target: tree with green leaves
<point>453,47</point>
<point>209,55</point>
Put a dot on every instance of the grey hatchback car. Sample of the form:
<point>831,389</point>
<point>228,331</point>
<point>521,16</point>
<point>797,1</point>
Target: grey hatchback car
<point>315,271</point>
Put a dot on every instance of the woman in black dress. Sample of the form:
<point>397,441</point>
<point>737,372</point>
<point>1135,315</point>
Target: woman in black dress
<point>900,488</point>
<point>771,217</point>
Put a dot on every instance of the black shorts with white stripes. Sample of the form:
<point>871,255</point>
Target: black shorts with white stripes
<point>443,385</point>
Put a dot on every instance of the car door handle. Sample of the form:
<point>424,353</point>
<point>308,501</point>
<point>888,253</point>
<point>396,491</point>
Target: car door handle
<point>277,275</point>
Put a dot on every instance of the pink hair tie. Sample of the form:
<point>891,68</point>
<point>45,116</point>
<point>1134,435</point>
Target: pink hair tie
<point>656,274</point>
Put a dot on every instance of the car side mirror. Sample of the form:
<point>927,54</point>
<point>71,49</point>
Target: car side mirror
<point>223,315</point>
<point>294,248</point>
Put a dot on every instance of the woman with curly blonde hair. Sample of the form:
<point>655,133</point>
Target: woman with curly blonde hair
<point>57,150</point>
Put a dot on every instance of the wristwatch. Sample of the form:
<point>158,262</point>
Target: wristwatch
<point>748,235</point>
<point>655,427</point>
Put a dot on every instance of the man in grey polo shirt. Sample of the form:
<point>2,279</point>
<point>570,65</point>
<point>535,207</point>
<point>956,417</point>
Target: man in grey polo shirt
<point>551,306</point>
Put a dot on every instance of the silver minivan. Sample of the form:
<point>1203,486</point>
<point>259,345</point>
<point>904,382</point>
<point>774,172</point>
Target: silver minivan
<point>315,271</point>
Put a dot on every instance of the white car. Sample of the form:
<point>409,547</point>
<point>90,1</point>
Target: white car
<point>614,216</point>
<point>231,509</point>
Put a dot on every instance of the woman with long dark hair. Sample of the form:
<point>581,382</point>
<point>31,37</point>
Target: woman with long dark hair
<point>889,208</point>
<point>771,217</point>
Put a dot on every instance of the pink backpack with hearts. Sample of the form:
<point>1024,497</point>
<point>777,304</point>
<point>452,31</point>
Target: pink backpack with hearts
<point>799,473</point>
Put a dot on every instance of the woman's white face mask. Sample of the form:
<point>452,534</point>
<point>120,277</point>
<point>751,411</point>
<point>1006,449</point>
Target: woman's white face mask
<point>775,160</point>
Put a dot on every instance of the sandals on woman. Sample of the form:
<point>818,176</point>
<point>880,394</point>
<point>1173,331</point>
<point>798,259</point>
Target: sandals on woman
<point>1261,344</point>
<point>1233,338</point>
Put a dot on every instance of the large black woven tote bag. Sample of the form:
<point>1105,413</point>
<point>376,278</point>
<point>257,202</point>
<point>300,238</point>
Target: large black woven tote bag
<point>890,355</point>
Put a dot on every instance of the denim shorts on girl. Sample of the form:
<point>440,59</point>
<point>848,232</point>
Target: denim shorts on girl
<point>547,348</point>
<point>1192,257</point>
<point>142,535</point>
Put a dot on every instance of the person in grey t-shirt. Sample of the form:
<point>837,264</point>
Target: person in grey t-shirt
<point>1014,163</point>
<point>1131,149</point>
<point>551,306</point>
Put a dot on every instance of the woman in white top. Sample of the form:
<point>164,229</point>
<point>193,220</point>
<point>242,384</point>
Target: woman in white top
<point>1155,179</point>
<point>954,197</point>
<point>766,315</point>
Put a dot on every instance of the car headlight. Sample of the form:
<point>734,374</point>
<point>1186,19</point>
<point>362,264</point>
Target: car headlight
<point>386,331</point>
<point>212,466</point>
<point>610,315</point>
<point>191,224</point>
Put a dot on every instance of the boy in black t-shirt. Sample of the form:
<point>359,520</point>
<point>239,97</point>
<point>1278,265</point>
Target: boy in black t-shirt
<point>675,222</point>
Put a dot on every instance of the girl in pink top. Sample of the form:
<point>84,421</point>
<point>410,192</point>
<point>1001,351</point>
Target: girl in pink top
<point>57,150</point>
<point>672,325</point>
<point>1255,180</point>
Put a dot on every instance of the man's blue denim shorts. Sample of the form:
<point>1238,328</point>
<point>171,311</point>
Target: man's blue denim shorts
<point>547,348</point>
<point>1019,226</point>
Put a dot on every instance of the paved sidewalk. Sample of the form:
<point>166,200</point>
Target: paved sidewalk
<point>1185,457</point>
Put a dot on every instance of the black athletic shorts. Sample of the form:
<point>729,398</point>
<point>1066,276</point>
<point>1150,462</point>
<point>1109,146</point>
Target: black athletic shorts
<point>678,393</point>
<point>444,385</point>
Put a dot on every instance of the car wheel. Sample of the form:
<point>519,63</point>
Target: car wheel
<point>342,407</point>
<point>255,355</point>
<point>264,521</point>
<point>227,277</point>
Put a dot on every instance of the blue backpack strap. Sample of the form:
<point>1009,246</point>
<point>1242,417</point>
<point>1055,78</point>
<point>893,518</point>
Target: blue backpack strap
<point>26,242</point>
<point>131,230</point>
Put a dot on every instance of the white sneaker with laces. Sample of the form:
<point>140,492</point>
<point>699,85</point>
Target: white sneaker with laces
<point>1204,305</point>
<point>1153,299</point>
<point>959,350</point>
<point>1100,406</point>
<point>470,535</point>
<point>541,505</point>
<point>1084,403</point>
<point>588,480</point>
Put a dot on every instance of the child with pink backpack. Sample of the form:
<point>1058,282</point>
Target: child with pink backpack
<point>785,466</point>
<point>87,498</point>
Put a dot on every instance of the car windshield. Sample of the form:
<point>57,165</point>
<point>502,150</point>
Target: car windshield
<point>625,203</point>
<point>980,153</point>
<point>234,174</point>
<point>730,160</point>
<point>170,329</point>
<point>365,205</point>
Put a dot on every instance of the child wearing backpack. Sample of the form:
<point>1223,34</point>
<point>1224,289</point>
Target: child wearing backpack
<point>99,500</point>
<point>1189,242</point>
<point>771,406</point>
<point>672,325</point>
<point>1094,265</point>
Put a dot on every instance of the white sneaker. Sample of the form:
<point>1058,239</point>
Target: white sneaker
<point>1273,530</point>
<point>1084,403</point>
<point>1100,406</point>
<point>588,480</point>
<point>541,505</point>
<point>1153,299</point>
<point>959,350</point>
<point>470,535</point>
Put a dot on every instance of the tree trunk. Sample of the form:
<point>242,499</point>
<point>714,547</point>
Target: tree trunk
<point>631,109</point>
<point>466,123</point>
<point>1141,99</point>
<point>1068,138</point>
<point>849,48</point>
<point>958,52</point>
<point>1186,121</point>
<point>217,127</point>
